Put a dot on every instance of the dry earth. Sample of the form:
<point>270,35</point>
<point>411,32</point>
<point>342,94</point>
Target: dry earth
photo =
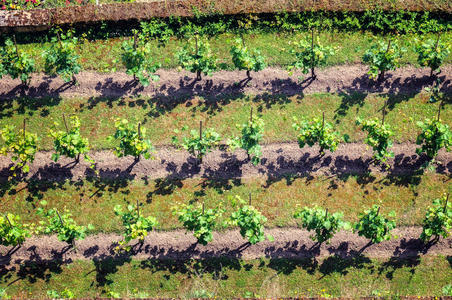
<point>288,243</point>
<point>345,78</point>
<point>277,160</point>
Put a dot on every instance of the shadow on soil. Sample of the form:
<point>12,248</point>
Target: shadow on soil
<point>217,264</point>
<point>213,96</point>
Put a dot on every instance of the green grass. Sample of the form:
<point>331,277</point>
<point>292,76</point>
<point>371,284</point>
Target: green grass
<point>100,55</point>
<point>232,278</point>
<point>92,201</point>
<point>161,116</point>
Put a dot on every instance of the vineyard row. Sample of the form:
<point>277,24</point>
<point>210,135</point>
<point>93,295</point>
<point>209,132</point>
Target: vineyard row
<point>196,56</point>
<point>201,221</point>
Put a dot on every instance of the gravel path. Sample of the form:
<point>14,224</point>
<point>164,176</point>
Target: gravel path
<point>345,78</point>
<point>277,160</point>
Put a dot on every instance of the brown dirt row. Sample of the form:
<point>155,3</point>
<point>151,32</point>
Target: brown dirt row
<point>277,160</point>
<point>338,79</point>
<point>42,18</point>
<point>288,243</point>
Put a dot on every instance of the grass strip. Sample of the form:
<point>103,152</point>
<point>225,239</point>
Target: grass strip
<point>232,278</point>
<point>92,201</point>
<point>104,55</point>
<point>160,116</point>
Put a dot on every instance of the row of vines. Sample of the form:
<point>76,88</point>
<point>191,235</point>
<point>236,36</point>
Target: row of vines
<point>196,57</point>
<point>130,140</point>
<point>372,224</point>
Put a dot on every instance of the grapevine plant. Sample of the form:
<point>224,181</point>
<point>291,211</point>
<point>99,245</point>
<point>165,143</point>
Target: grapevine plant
<point>434,136</point>
<point>250,221</point>
<point>196,57</point>
<point>136,226</point>
<point>22,146</point>
<point>252,134</point>
<point>62,225</point>
<point>12,231</point>
<point>136,57</point>
<point>61,58</point>
<point>156,29</point>
<point>14,63</point>
<point>199,220</point>
<point>432,53</point>
<point>373,226</point>
<point>438,220</point>
<point>378,137</point>
<point>324,225</point>
<point>383,57</point>
<point>244,59</point>
<point>316,131</point>
<point>199,143</point>
<point>309,55</point>
<point>131,141</point>
<point>70,143</point>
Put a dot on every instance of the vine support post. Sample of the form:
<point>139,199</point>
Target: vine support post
<point>200,139</point>
<point>198,72</point>
<point>138,208</point>
<point>15,44</point>
<point>439,109</point>
<point>203,207</point>
<point>382,73</point>
<point>436,47</point>
<point>7,219</point>
<point>59,216</point>
<point>326,213</point>
<point>249,200</point>
<point>384,112</point>
<point>24,127</point>
<point>59,39</point>
<point>323,120</point>
<point>445,204</point>
<point>65,124</point>
<point>312,54</point>
<point>134,48</point>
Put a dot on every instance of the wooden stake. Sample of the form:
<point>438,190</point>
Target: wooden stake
<point>65,124</point>
<point>445,204</point>
<point>59,39</point>
<point>323,120</point>
<point>326,213</point>
<point>15,44</point>
<point>439,108</point>
<point>436,46</point>
<point>249,202</point>
<point>312,56</point>
<point>135,40</point>
<point>139,130</point>
<point>7,219</point>
<point>61,220</point>
<point>382,74</point>
<point>203,208</point>
<point>138,208</point>
<point>24,128</point>
<point>384,112</point>
<point>251,115</point>
<point>196,44</point>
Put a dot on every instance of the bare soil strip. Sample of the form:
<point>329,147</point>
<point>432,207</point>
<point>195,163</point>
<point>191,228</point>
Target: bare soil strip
<point>340,79</point>
<point>277,160</point>
<point>289,243</point>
